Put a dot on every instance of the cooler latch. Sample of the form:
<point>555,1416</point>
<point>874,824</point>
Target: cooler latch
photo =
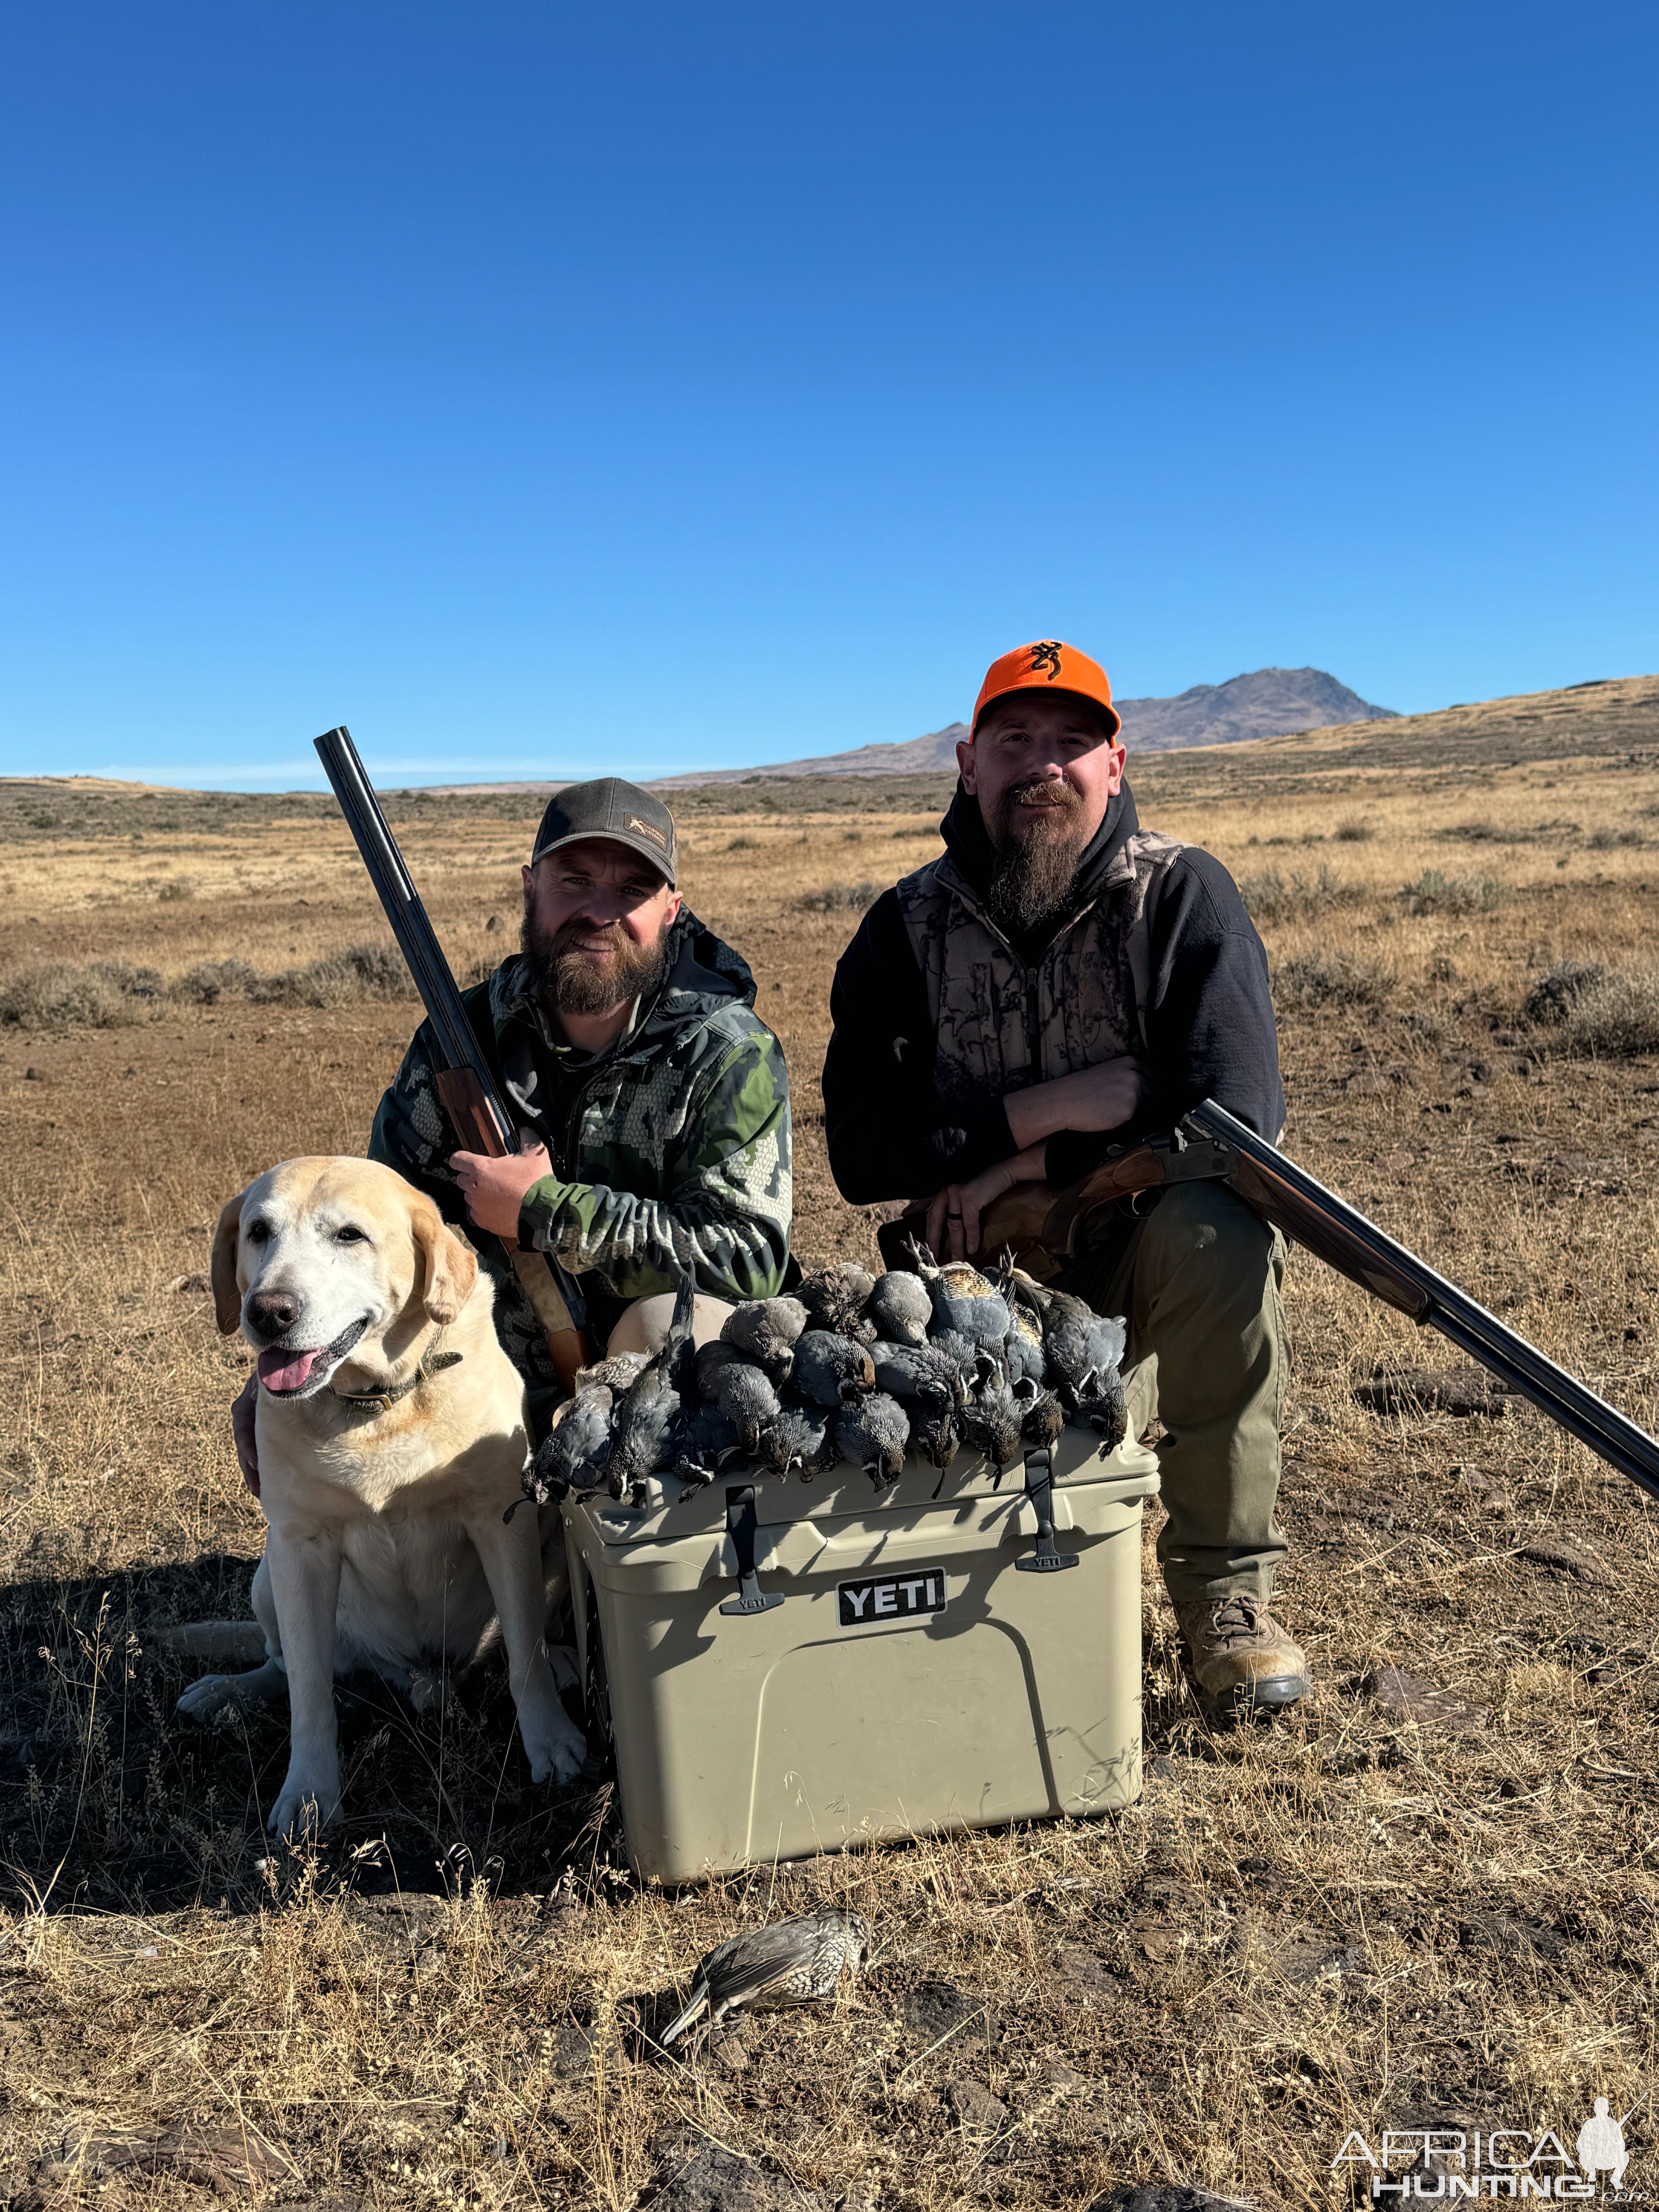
<point>740,1524</point>
<point>1040,1494</point>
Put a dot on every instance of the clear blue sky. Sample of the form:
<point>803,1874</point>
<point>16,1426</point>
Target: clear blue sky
<point>544,389</point>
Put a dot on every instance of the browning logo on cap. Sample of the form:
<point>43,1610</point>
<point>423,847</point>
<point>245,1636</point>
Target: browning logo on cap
<point>1045,659</point>
<point>646,829</point>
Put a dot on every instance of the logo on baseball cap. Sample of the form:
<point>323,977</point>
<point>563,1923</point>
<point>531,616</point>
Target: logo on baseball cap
<point>1048,666</point>
<point>607,807</point>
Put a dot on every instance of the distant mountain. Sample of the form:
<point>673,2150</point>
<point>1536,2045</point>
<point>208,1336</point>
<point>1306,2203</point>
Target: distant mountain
<point>1270,703</point>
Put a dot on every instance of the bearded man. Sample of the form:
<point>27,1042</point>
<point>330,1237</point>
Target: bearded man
<point>1062,980</point>
<point>625,1036</point>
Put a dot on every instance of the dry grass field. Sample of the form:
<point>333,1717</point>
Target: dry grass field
<point>1376,1912</point>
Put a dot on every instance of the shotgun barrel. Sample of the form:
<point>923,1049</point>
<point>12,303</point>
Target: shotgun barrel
<point>472,1097</point>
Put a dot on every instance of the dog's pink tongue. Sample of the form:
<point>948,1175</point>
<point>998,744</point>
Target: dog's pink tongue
<point>287,1370</point>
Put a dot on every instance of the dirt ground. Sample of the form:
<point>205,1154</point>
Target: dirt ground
<point>1399,1905</point>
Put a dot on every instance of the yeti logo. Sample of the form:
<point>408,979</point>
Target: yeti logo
<point>1045,659</point>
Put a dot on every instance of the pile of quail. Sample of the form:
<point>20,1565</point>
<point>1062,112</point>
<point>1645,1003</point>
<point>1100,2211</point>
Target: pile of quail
<point>852,1366</point>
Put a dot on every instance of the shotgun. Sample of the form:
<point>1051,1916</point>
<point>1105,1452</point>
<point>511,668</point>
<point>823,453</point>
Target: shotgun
<point>470,1095</point>
<point>1047,1231</point>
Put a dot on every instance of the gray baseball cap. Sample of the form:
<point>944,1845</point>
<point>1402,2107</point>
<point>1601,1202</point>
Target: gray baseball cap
<point>607,807</point>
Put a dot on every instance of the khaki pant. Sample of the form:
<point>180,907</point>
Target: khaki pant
<point>1199,1280</point>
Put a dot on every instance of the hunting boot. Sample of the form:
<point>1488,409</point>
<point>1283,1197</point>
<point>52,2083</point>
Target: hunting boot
<point>1240,1660</point>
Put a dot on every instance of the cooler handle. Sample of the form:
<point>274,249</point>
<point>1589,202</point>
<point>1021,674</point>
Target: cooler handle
<point>740,1523</point>
<point>1039,1493</point>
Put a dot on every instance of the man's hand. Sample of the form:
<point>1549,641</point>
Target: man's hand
<point>494,1188</point>
<point>955,1212</point>
<point>241,1428</point>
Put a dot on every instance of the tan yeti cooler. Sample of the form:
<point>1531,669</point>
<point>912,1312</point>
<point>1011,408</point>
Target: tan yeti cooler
<point>786,1668</point>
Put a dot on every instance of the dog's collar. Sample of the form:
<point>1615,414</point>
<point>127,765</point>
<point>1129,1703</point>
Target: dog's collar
<point>431,1363</point>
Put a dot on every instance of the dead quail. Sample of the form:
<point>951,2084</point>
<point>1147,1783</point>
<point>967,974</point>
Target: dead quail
<point>646,1422</point>
<point>791,1962</point>
<point>834,1299</point>
<point>707,1439</point>
<point>1080,1342</point>
<point>937,1437</point>
<point>765,1330</point>
<point>900,1308</point>
<point>747,1398</point>
<point>573,1455</point>
<point>829,1370</point>
<point>1043,1416</point>
<point>1102,1406</point>
<point>920,1375</point>
<point>872,1432</point>
<point>964,1301</point>
<point>991,1424</point>
<point>616,1373</point>
<point>798,1441</point>
<point>1022,1348</point>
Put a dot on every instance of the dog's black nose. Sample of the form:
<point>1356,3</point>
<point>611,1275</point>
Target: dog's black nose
<point>273,1313</point>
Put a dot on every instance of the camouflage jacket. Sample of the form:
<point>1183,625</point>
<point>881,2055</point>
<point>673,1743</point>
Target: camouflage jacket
<point>671,1149</point>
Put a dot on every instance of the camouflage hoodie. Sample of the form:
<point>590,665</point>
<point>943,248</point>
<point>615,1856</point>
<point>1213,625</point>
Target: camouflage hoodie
<point>671,1149</point>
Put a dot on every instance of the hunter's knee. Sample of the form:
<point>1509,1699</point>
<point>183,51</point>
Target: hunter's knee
<point>1202,1231</point>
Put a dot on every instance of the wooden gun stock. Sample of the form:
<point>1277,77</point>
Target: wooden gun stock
<point>468,1108</point>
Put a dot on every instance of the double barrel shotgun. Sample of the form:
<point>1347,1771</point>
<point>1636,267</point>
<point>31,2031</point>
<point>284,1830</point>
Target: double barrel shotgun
<point>472,1097</point>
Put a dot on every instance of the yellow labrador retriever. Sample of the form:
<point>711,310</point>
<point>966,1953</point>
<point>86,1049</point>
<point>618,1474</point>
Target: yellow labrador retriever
<point>391,1435</point>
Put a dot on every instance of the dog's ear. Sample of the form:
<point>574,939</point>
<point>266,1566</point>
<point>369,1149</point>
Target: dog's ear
<point>226,1298</point>
<point>449,1268</point>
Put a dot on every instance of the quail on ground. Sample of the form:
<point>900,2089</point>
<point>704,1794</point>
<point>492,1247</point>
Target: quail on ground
<point>872,1432</point>
<point>830,1370</point>
<point>765,1330</point>
<point>791,1962</point>
<point>834,1297</point>
<point>900,1308</point>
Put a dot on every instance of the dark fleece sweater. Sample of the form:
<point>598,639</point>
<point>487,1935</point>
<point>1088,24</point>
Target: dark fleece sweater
<point>1209,1025</point>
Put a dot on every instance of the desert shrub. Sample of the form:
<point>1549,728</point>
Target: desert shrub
<point>1335,979</point>
<point>739,845</point>
<point>1554,997</point>
<point>1353,833</point>
<point>56,996</point>
<point>360,971</point>
<point>206,983</point>
<point>1616,1015</point>
<point>175,888</point>
<point>1604,840</point>
<point>1269,897</point>
<point>1434,892</point>
<point>840,898</point>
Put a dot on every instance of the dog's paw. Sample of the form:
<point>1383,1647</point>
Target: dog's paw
<point>204,1698</point>
<point>561,1661</point>
<point>307,1804</point>
<point>556,1750</point>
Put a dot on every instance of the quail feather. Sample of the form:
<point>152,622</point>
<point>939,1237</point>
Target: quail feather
<point>744,1393</point>
<point>872,1432</point>
<point>791,1962</point>
<point>834,1297</point>
<point>765,1330</point>
<point>920,1375</point>
<point>900,1309</point>
<point>1043,1416</point>
<point>829,1370</point>
<point>1022,1348</point>
<point>975,1365</point>
<point>647,1420</point>
<point>573,1455</point>
<point>799,1439</point>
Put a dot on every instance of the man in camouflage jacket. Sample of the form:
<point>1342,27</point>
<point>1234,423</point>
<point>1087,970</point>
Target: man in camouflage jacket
<point>625,1036</point>
<point>1061,980</point>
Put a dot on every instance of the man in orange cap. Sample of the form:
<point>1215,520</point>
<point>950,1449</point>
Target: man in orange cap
<point>1061,980</point>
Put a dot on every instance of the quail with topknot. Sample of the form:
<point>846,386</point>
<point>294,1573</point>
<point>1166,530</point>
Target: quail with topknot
<point>830,1370</point>
<point>872,1432</point>
<point>791,1962</point>
<point>799,1443</point>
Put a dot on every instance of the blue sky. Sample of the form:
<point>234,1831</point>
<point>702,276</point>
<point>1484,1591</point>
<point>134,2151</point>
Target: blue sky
<point>544,390</point>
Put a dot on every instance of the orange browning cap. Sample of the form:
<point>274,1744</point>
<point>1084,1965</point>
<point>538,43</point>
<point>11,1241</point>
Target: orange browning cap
<point>1048,664</point>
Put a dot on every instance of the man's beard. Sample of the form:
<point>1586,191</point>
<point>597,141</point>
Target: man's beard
<point>1036,844</point>
<point>569,981</point>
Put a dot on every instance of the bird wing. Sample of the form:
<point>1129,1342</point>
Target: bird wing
<point>691,2014</point>
<point>748,1964</point>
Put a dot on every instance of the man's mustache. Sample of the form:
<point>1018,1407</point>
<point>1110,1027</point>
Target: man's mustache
<point>1049,791</point>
